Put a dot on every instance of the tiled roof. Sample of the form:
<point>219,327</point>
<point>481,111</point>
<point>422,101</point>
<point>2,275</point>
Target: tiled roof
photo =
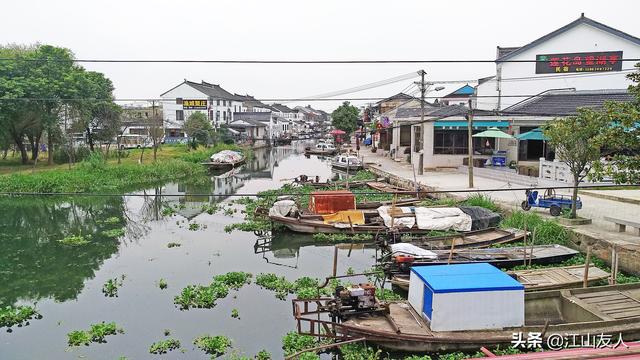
<point>398,96</point>
<point>282,108</point>
<point>262,116</point>
<point>565,102</point>
<point>581,20</point>
<point>212,90</point>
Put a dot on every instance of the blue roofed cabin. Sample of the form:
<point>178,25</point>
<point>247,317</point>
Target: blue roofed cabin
<point>466,297</point>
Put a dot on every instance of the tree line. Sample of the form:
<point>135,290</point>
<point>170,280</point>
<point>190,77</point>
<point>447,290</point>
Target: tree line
<point>59,101</point>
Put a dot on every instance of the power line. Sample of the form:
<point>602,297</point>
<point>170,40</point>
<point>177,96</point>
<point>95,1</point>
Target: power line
<point>405,192</point>
<point>372,85</point>
<point>533,78</point>
<point>293,99</point>
<point>228,61</point>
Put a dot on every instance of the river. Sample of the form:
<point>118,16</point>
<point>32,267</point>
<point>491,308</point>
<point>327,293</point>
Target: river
<point>66,282</point>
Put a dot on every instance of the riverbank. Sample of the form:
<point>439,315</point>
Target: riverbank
<point>95,174</point>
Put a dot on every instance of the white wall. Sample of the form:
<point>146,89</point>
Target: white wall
<point>185,91</point>
<point>582,38</point>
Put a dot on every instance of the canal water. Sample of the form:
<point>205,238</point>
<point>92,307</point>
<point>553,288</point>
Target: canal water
<point>66,282</point>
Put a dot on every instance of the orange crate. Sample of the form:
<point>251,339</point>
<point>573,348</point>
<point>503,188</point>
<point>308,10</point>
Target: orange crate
<point>328,202</point>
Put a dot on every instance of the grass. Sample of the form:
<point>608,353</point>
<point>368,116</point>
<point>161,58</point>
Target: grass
<point>542,231</point>
<point>17,315</point>
<point>97,175</point>
<point>164,346</point>
<point>74,240</point>
<point>212,345</point>
<point>97,333</point>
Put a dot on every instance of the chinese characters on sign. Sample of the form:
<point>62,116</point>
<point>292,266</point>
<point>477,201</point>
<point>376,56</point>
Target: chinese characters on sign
<point>579,62</point>
<point>534,340</point>
<point>194,104</point>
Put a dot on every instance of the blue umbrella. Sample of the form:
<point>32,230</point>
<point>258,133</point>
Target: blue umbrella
<point>535,134</point>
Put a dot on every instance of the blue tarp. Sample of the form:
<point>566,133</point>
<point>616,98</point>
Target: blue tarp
<point>476,124</point>
<point>465,278</point>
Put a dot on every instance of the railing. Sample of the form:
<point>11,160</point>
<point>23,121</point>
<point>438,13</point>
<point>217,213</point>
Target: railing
<point>303,310</point>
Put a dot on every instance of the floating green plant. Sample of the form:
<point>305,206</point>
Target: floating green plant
<point>74,240</point>
<point>97,333</point>
<point>235,314</point>
<point>341,237</point>
<point>210,208</point>
<point>201,296</point>
<point>168,211</point>
<point>194,226</point>
<point>114,233</point>
<point>173,244</point>
<point>164,346</point>
<point>213,345</point>
<point>17,315</point>
<point>110,288</point>
<point>162,284</point>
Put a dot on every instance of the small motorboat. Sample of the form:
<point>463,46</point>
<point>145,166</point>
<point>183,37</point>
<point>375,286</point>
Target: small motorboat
<point>321,149</point>
<point>347,163</point>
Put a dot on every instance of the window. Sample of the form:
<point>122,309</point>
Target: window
<point>405,135</point>
<point>210,114</point>
<point>224,102</point>
<point>217,116</point>
<point>455,142</point>
<point>417,133</point>
<point>179,101</point>
<point>224,116</point>
<point>179,115</point>
<point>218,102</point>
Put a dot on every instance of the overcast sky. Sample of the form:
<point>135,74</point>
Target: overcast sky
<point>293,30</point>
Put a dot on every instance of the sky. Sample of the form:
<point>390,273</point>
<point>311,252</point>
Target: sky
<point>293,30</point>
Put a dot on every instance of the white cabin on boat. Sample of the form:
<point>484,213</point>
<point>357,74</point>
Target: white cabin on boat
<point>466,297</point>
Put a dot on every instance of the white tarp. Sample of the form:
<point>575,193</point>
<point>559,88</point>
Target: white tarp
<point>226,156</point>
<point>432,218</point>
<point>398,221</point>
<point>283,208</point>
<point>410,249</point>
<point>437,218</point>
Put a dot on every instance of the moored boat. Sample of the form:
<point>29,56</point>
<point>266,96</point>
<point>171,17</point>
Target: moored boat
<point>225,159</point>
<point>401,261</point>
<point>579,312</point>
<point>562,277</point>
<point>347,162</point>
<point>324,149</point>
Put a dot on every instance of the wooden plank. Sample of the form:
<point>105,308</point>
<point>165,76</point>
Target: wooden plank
<point>626,314</point>
<point>597,294</point>
<point>620,306</point>
<point>604,298</point>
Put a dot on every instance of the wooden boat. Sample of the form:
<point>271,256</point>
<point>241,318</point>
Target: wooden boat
<point>385,187</point>
<point>347,163</point>
<point>471,239</point>
<point>610,310</point>
<point>563,277</point>
<point>500,257</point>
<point>229,164</point>
<point>629,352</point>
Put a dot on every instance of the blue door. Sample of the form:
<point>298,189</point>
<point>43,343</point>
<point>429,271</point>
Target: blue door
<point>427,304</point>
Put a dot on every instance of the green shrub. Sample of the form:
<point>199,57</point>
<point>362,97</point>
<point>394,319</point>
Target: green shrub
<point>546,231</point>
<point>482,201</point>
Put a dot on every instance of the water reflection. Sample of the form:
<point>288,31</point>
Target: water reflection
<point>34,265</point>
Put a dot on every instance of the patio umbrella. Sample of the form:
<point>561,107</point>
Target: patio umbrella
<point>535,134</point>
<point>337,132</point>
<point>493,132</point>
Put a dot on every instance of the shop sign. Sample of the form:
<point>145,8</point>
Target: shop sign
<point>194,104</point>
<point>579,62</point>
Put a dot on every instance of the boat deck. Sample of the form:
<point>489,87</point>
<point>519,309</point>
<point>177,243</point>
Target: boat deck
<point>402,317</point>
<point>555,277</point>
<point>611,305</point>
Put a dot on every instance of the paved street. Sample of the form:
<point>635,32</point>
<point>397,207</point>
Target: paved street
<point>593,207</point>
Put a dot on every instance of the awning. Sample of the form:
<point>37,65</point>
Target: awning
<point>456,125</point>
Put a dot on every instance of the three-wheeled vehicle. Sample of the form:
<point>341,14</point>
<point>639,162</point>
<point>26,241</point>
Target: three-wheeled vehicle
<point>555,203</point>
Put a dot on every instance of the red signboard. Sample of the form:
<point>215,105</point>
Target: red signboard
<point>579,62</point>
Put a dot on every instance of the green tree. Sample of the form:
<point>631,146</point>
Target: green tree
<point>578,141</point>
<point>345,117</point>
<point>622,137</point>
<point>198,128</point>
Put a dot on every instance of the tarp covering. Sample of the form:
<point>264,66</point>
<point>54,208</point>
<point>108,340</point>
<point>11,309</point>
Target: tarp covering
<point>432,218</point>
<point>410,249</point>
<point>356,216</point>
<point>481,218</point>
<point>437,218</point>
<point>226,156</point>
<point>399,220</point>
<point>283,208</point>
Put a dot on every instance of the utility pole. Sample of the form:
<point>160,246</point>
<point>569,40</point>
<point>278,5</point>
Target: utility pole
<point>470,143</point>
<point>423,91</point>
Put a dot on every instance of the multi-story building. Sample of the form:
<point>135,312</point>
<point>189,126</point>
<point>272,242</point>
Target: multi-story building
<point>189,97</point>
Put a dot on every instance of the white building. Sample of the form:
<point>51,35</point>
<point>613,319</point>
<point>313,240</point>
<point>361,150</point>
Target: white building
<point>189,97</point>
<point>582,55</point>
